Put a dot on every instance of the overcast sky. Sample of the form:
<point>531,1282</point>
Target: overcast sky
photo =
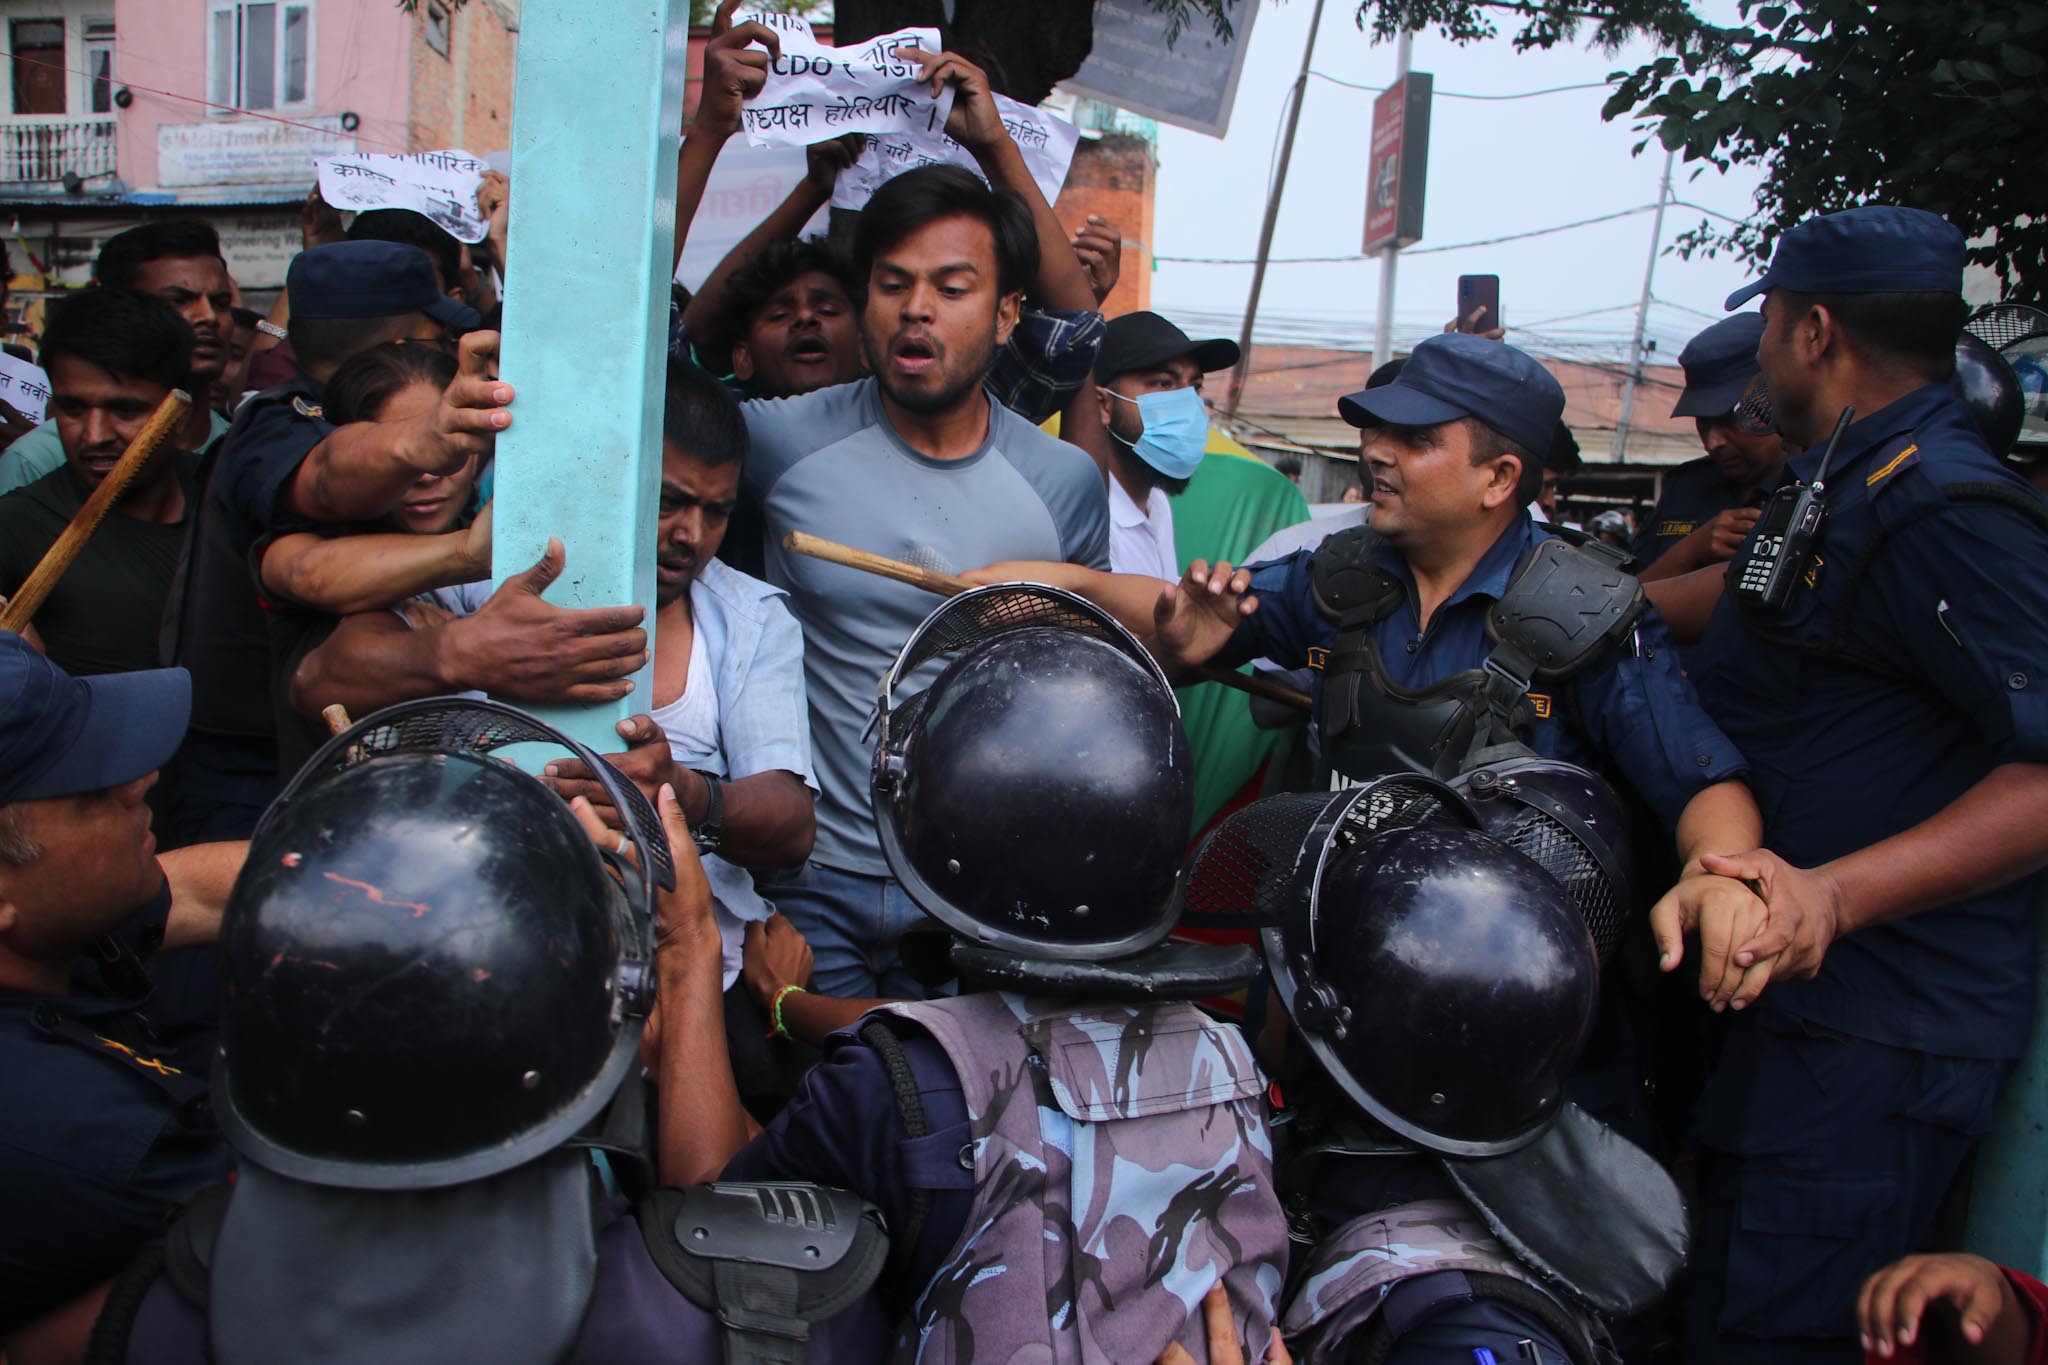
<point>1495,167</point>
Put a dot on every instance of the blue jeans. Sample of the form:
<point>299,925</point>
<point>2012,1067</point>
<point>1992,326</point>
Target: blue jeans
<point>853,922</point>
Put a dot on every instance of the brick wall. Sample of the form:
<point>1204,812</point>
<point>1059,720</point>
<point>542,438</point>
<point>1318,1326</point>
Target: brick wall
<point>1114,176</point>
<point>464,98</point>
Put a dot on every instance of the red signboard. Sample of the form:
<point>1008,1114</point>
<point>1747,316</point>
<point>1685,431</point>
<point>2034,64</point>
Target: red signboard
<point>1399,163</point>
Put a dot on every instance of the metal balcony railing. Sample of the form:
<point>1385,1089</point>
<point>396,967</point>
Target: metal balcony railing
<point>40,150</point>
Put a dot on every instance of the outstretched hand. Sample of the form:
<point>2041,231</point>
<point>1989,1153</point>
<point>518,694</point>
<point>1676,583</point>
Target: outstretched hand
<point>975,122</point>
<point>1196,617</point>
<point>526,648</point>
<point>466,422</point>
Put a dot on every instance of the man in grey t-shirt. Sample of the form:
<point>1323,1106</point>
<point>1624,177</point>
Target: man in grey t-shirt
<point>914,463</point>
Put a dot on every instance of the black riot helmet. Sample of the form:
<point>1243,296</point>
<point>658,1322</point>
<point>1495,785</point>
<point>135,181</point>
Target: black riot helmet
<point>432,974</point>
<point>2019,332</point>
<point>1571,823</point>
<point>1441,979</point>
<point>1991,391</point>
<point>1035,797</point>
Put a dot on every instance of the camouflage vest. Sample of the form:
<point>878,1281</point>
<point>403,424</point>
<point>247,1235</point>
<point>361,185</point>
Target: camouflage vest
<point>1121,1166</point>
<point>1350,1272</point>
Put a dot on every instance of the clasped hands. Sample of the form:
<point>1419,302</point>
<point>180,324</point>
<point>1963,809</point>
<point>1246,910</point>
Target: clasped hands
<point>1759,919</point>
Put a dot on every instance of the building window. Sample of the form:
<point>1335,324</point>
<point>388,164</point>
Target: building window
<point>38,48</point>
<point>99,65</point>
<point>260,54</point>
<point>437,28</point>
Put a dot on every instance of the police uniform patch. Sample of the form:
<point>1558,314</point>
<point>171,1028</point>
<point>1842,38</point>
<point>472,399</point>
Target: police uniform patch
<point>146,1063</point>
<point>1905,459</point>
<point>305,409</point>
<point>1812,575</point>
<point>1317,656</point>
<point>1541,703</point>
<point>1676,528</point>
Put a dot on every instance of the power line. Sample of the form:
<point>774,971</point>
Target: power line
<point>1461,95</point>
<point>1411,251</point>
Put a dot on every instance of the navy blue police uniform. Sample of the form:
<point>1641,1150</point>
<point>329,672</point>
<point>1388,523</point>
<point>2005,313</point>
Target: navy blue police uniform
<point>1628,708</point>
<point>104,1126</point>
<point>1720,370</point>
<point>107,1132</point>
<point>1906,667</point>
<point>227,773</point>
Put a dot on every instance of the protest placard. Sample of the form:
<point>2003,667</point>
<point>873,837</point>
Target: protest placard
<point>815,92</point>
<point>441,185</point>
<point>23,387</point>
<point>1046,140</point>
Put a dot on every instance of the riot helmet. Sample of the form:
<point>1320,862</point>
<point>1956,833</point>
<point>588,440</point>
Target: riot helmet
<point>1568,821</point>
<point>2019,333</point>
<point>1441,979</point>
<point>431,973</point>
<point>1991,391</point>
<point>1035,797</point>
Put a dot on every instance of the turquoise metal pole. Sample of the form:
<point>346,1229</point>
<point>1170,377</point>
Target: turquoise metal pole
<point>598,99</point>
<point>2009,1194</point>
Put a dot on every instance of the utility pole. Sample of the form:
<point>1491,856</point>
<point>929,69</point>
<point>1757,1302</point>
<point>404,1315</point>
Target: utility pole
<point>1251,306</point>
<point>1390,254</point>
<point>1635,349</point>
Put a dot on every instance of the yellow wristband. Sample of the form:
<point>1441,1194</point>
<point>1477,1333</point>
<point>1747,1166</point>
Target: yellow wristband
<point>775,1010</point>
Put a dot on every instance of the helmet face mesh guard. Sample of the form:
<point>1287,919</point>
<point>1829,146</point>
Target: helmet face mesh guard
<point>1439,978</point>
<point>432,974</point>
<point>1036,796</point>
<point>1571,823</point>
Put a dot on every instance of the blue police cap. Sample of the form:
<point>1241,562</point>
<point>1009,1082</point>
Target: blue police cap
<point>1454,375</point>
<point>371,280</point>
<point>1878,249</point>
<point>61,735</point>
<point>1719,365</point>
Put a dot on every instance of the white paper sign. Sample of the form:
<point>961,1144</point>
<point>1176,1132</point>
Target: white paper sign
<point>745,186</point>
<point>815,93</point>
<point>1046,140</point>
<point>23,387</point>
<point>441,185</point>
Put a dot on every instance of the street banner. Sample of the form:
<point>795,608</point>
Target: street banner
<point>815,92</point>
<point>1046,140</point>
<point>23,387</point>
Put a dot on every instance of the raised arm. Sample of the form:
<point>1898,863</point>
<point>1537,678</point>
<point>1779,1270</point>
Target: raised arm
<point>1182,624</point>
<point>200,877</point>
<point>348,574</point>
<point>734,71</point>
<point>977,124</point>
<point>361,470</point>
<point>824,161</point>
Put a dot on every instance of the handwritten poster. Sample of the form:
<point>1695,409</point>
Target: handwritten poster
<point>441,185</point>
<point>1046,140</point>
<point>23,387</point>
<point>815,93</point>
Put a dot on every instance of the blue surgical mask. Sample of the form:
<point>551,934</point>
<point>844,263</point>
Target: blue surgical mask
<point>1176,430</point>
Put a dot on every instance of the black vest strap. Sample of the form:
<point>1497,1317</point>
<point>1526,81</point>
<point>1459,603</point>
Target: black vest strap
<point>897,1291</point>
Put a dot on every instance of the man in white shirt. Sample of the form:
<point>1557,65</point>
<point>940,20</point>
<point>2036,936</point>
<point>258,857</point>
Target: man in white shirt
<point>1148,380</point>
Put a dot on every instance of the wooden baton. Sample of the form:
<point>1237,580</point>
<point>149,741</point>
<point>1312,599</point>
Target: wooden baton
<point>948,585</point>
<point>35,589</point>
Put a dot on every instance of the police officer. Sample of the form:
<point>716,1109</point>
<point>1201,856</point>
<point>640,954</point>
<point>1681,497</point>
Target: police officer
<point>1706,507</point>
<point>103,1119</point>
<point>282,466</point>
<point>1421,1087</point>
<point>1453,630</point>
<point>436,984</point>
<point>1892,711</point>
<point>1069,1155</point>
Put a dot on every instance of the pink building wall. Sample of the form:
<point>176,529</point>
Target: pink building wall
<point>361,53</point>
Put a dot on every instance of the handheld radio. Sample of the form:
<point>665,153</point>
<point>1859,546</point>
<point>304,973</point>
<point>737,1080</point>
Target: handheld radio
<point>1786,535</point>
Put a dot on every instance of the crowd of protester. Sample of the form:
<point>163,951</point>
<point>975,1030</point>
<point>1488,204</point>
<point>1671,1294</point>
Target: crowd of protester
<point>1824,818</point>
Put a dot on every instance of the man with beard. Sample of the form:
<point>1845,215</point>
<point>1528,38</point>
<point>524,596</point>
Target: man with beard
<point>112,355</point>
<point>1148,382</point>
<point>180,263</point>
<point>914,462</point>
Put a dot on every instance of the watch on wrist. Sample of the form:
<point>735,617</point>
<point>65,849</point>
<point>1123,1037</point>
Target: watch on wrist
<point>709,832</point>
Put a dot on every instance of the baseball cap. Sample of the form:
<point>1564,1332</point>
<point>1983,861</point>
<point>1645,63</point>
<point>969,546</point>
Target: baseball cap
<point>371,280</point>
<point>1141,340</point>
<point>61,735</point>
<point>1719,364</point>
<point>1877,249</point>
<point>1454,375</point>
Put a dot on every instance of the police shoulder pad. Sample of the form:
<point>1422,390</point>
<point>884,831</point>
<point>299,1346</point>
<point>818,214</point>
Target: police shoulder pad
<point>1348,585</point>
<point>720,1243</point>
<point>1565,603</point>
